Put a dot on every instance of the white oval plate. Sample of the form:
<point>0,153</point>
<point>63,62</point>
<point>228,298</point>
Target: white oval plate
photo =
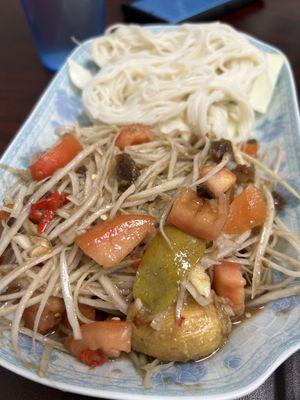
<point>256,347</point>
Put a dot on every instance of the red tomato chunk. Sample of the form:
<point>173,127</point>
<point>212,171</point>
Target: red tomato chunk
<point>133,134</point>
<point>50,318</point>
<point>228,282</point>
<point>56,157</point>
<point>246,211</point>
<point>111,241</point>
<point>111,337</point>
<point>195,216</point>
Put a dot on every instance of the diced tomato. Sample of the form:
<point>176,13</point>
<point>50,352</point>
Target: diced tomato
<point>92,358</point>
<point>195,215</point>
<point>246,211</point>
<point>133,134</point>
<point>251,148</point>
<point>111,241</point>
<point>44,210</point>
<point>50,318</point>
<point>228,282</point>
<point>56,157</point>
<point>111,337</point>
<point>220,182</point>
<point>86,310</point>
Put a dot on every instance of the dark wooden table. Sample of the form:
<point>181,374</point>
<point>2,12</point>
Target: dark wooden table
<point>22,80</point>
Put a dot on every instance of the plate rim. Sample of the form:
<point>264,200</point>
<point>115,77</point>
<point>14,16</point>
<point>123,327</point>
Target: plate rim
<point>99,393</point>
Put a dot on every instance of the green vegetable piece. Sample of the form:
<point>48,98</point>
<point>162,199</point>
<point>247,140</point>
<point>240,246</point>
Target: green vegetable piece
<point>162,268</point>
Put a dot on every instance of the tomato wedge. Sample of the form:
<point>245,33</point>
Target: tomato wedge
<point>133,134</point>
<point>195,216</point>
<point>228,282</point>
<point>246,211</point>
<point>111,337</point>
<point>50,318</point>
<point>111,241</point>
<point>56,157</point>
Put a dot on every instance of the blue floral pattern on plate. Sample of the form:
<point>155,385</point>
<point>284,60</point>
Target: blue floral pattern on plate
<point>256,347</point>
<point>184,374</point>
<point>232,362</point>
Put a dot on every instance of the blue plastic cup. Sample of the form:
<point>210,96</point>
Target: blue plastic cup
<point>56,23</point>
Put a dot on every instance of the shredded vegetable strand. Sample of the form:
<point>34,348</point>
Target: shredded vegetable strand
<point>264,239</point>
<point>113,292</point>
<point>23,268</point>
<point>274,295</point>
<point>286,271</point>
<point>283,257</point>
<point>121,200</point>
<point>272,174</point>
<point>76,216</point>
<point>44,339</point>
<point>13,307</point>
<point>45,359</point>
<point>67,295</point>
<point>45,297</point>
<point>199,158</point>
<point>22,305</point>
<point>81,317</point>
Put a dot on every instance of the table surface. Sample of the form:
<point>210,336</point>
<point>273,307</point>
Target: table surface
<point>22,80</point>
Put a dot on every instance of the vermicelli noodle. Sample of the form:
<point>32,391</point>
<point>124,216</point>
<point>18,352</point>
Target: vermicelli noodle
<point>198,76</point>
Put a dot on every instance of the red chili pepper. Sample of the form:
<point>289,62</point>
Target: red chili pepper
<point>180,321</point>
<point>44,210</point>
<point>92,358</point>
<point>1,260</point>
<point>136,263</point>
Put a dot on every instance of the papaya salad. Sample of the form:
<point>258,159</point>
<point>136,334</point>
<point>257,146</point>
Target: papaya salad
<point>122,238</point>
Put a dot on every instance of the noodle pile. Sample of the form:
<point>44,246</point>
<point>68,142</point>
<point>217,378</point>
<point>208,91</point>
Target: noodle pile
<point>195,78</point>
